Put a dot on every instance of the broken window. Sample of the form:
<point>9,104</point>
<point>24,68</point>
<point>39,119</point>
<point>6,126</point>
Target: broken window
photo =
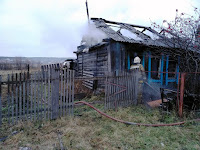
<point>155,68</point>
<point>172,67</point>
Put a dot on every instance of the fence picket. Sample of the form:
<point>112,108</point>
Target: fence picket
<point>69,100</point>
<point>135,89</point>
<point>35,85</point>
<point>133,76</point>
<point>106,89</point>
<point>64,97</point>
<point>122,101</point>
<point>67,92</point>
<point>109,93</point>
<point>38,95</point>
<point>49,95</point>
<point>45,92</point>
<point>126,83</point>
<point>27,95</point>
<point>73,75</point>
<point>52,90</point>
<point>130,89</point>
<point>57,90</point>
<point>41,96</point>
<point>24,94</point>
<point>8,99</point>
<point>124,92</point>
<point>0,103</point>
<point>20,96</point>
<point>16,96</point>
<point>31,96</point>
<point>12,88</point>
<point>120,81</point>
<point>61,89</point>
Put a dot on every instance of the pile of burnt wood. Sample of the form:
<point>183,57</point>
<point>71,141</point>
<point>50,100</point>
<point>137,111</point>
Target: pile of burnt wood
<point>191,102</point>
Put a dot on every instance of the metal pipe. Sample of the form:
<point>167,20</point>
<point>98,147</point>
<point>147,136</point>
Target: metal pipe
<point>87,12</point>
<point>181,94</point>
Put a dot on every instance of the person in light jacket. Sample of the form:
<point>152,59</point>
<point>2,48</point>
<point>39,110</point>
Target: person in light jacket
<point>139,69</point>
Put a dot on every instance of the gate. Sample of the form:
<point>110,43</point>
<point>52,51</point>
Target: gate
<point>42,95</point>
<point>121,90</point>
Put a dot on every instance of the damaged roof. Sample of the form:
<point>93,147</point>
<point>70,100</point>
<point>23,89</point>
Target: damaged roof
<point>130,33</point>
<point>145,35</point>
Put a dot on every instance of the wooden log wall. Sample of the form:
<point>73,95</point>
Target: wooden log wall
<point>94,63</point>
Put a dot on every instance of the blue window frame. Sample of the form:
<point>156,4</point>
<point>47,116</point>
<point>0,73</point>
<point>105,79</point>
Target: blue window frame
<point>161,79</point>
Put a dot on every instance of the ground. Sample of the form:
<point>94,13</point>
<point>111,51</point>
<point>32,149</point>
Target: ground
<point>89,130</point>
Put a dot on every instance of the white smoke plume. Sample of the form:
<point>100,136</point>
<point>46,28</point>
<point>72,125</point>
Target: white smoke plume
<point>92,35</point>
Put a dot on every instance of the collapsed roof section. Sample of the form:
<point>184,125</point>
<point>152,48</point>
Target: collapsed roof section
<point>123,32</point>
<point>136,34</point>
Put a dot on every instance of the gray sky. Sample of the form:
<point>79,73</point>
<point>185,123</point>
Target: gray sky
<point>54,28</point>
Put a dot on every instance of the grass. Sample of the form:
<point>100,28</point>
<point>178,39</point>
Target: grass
<point>89,130</point>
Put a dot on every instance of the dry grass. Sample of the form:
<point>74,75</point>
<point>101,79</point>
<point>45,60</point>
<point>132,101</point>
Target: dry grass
<point>89,130</point>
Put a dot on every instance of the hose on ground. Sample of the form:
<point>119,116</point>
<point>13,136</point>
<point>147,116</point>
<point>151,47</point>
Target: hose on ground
<point>133,123</point>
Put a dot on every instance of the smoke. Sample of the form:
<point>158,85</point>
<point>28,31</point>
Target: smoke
<point>92,35</point>
<point>151,91</point>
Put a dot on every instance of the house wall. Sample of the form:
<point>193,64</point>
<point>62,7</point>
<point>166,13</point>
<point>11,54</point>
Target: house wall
<point>154,61</point>
<point>94,63</point>
<point>118,57</point>
<point>104,60</point>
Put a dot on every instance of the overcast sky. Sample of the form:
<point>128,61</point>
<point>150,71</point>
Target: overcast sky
<point>54,28</point>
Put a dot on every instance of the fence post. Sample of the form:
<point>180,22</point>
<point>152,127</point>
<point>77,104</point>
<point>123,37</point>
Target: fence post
<point>55,92</point>
<point>28,68</point>
<point>178,87</point>
<point>0,104</point>
<point>181,94</point>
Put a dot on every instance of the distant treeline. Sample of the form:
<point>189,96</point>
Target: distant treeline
<point>21,63</point>
<point>13,66</point>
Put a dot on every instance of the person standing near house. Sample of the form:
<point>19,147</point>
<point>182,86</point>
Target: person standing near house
<point>139,69</point>
<point>136,64</point>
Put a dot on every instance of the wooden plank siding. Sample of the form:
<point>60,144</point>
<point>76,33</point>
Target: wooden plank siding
<point>102,60</point>
<point>94,63</point>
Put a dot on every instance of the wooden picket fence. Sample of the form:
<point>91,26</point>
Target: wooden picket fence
<point>42,95</point>
<point>121,90</point>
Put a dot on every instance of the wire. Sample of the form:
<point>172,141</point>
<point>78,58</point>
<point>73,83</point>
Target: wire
<point>133,123</point>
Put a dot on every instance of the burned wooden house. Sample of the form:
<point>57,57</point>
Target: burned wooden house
<point>123,42</point>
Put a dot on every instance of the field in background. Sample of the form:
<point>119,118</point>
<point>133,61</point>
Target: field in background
<point>4,75</point>
<point>18,64</point>
<point>6,72</point>
<point>90,130</point>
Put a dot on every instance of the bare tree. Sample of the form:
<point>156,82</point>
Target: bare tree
<point>182,36</point>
